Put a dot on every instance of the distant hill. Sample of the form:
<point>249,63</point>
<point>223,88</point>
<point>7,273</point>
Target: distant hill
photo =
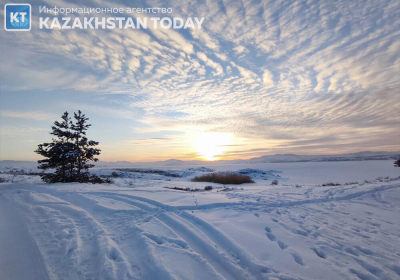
<point>266,159</point>
<point>342,157</point>
<point>278,158</point>
<point>169,162</point>
<point>18,164</point>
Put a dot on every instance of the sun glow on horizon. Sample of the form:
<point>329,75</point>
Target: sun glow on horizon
<point>210,146</point>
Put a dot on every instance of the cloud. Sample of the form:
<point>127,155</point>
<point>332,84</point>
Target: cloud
<point>299,73</point>
<point>240,49</point>
<point>148,141</point>
<point>17,131</point>
<point>37,116</point>
<point>268,79</point>
<point>218,68</point>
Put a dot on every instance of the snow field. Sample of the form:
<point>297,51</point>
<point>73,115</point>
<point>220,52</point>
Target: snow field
<point>138,229</point>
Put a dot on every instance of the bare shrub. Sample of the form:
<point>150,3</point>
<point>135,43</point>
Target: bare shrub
<point>331,184</point>
<point>351,183</point>
<point>275,182</point>
<point>225,189</point>
<point>97,180</point>
<point>206,188</point>
<point>223,178</point>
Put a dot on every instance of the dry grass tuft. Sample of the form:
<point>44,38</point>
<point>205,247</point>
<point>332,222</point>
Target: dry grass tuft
<point>221,178</point>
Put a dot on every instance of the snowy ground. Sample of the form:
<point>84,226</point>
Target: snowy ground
<point>137,228</point>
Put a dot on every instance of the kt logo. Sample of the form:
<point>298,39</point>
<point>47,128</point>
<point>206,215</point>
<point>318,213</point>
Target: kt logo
<point>17,17</point>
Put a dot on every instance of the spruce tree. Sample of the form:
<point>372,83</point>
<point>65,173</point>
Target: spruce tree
<point>70,152</point>
<point>84,147</point>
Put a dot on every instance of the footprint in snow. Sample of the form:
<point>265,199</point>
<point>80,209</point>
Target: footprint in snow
<point>269,234</point>
<point>297,258</point>
<point>282,245</point>
<point>319,252</point>
<point>300,232</point>
<point>272,237</point>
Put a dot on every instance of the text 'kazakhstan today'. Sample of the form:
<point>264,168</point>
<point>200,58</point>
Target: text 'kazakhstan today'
<point>119,22</point>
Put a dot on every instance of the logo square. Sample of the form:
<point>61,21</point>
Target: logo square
<point>17,17</point>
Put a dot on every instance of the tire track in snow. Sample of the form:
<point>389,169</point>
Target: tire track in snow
<point>228,258</point>
<point>75,244</point>
<point>178,215</point>
<point>120,223</point>
<point>15,238</point>
<point>201,244</point>
<point>344,197</point>
<point>231,252</point>
<point>328,198</point>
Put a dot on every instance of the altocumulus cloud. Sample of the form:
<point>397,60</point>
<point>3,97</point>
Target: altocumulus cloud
<point>271,73</point>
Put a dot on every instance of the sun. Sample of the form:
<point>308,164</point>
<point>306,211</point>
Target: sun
<point>210,146</point>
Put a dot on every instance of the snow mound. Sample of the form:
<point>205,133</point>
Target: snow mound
<point>166,173</point>
<point>201,169</point>
<point>256,173</point>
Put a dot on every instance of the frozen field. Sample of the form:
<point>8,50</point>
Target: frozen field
<point>136,228</point>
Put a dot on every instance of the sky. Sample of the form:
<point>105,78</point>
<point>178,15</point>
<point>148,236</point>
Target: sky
<point>259,77</point>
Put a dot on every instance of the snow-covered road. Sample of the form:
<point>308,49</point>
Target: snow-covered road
<point>19,255</point>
